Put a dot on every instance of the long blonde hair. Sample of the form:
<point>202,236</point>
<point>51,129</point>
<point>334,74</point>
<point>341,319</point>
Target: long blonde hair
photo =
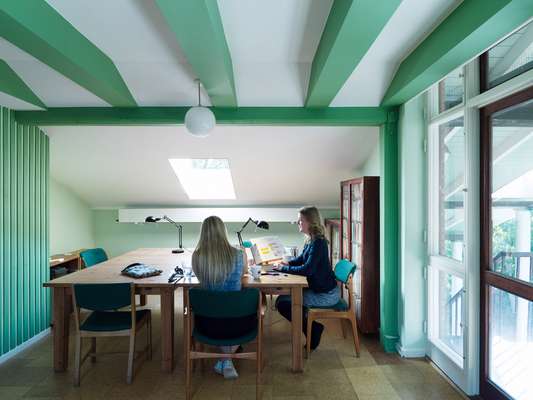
<point>213,259</point>
<point>312,216</point>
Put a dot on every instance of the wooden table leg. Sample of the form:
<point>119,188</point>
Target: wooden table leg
<point>61,317</point>
<point>187,341</point>
<point>167,329</point>
<point>297,353</point>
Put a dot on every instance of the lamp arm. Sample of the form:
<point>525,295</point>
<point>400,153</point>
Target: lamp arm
<point>179,227</point>
<point>244,226</point>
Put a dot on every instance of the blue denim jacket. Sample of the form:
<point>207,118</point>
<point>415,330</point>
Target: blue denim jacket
<point>233,280</point>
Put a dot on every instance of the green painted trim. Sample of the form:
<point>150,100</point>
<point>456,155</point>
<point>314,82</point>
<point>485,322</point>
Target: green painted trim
<point>13,85</point>
<point>24,267</point>
<point>200,33</point>
<point>389,233</point>
<point>471,28</point>
<point>38,29</point>
<point>350,30</point>
<point>235,116</point>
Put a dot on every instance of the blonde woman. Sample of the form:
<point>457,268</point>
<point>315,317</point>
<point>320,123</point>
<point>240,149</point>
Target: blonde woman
<point>313,263</point>
<point>218,266</point>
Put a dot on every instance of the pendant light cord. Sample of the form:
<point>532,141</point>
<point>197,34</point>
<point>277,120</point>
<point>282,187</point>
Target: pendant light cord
<point>199,102</point>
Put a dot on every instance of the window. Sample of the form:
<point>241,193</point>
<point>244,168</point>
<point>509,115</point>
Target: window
<point>204,178</point>
<point>451,90</point>
<point>509,58</point>
<point>451,155</point>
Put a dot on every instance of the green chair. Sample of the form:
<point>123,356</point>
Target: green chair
<point>239,317</point>
<point>92,257</point>
<point>103,300</point>
<point>344,271</point>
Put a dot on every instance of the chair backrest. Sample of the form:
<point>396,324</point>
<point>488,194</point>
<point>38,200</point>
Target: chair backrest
<point>103,296</point>
<point>344,270</point>
<point>219,304</point>
<point>93,256</point>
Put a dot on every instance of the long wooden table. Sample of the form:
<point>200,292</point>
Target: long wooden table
<point>109,272</point>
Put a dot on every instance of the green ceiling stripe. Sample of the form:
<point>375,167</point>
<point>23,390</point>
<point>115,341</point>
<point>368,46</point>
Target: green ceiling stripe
<point>350,30</point>
<point>334,116</point>
<point>469,30</point>
<point>13,85</point>
<point>199,31</point>
<point>36,28</point>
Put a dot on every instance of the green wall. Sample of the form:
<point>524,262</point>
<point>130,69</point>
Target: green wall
<point>118,238</point>
<point>24,303</point>
<point>412,192</point>
<point>70,220</point>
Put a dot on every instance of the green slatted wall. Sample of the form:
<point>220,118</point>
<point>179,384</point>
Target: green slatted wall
<point>24,170</point>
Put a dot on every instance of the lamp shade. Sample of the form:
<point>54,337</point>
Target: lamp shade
<point>199,121</point>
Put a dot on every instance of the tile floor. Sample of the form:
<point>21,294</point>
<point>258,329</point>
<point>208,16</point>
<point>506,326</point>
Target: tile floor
<point>332,372</point>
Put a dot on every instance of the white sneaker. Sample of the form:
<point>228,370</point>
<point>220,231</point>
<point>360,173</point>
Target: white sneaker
<point>219,367</point>
<point>229,370</point>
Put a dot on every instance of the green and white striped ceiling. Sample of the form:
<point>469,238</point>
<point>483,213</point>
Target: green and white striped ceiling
<point>247,53</point>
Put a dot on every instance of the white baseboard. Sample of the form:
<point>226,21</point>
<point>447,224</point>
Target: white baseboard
<point>23,346</point>
<point>410,352</point>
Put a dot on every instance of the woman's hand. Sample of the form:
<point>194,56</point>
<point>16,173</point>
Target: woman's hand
<point>278,266</point>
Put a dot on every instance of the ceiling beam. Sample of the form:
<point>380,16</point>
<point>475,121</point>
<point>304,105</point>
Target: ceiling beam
<point>470,29</point>
<point>38,29</point>
<point>12,85</point>
<point>351,28</point>
<point>199,31</point>
<point>337,116</point>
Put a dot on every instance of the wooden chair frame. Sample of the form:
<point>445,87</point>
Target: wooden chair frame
<point>135,328</point>
<point>320,313</point>
<point>194,354</point>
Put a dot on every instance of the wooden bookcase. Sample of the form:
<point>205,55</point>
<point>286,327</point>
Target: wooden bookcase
<point>333,228</point>
<point>359,232</point>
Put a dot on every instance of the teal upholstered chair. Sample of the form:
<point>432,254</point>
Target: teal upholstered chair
<point>103,300</point>
<point>92,257</point>
<point>238,317</point>
<point>343,310</point>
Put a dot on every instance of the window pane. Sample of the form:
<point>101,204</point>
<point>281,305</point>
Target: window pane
<point>511,57</point>
<point>451,311</point>
<point>451,90</point>
<point>511,343</point>
<point>512,191</point>
<point>451,185</point>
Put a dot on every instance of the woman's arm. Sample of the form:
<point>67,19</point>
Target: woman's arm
<point>245,262</point>
<point>311,263</point>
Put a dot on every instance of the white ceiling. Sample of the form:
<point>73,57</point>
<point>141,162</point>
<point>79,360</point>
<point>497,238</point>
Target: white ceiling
<point>128,166</point>
<point>272,45</point>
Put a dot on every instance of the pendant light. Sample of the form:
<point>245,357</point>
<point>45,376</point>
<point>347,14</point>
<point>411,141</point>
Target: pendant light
<point>199,120</point>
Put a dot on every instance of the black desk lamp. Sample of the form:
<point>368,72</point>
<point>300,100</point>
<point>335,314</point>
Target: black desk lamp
<point>259,224</point>
<point>179,227</point>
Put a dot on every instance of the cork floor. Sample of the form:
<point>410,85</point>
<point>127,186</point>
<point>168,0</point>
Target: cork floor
<point>332,372</point>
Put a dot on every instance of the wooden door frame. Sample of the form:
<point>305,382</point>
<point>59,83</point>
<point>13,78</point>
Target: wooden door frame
<point>490,278</point>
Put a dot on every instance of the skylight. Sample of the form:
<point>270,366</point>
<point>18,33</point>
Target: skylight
<point>204,178</point>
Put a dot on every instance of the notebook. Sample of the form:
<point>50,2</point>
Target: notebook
<point>267,250</point>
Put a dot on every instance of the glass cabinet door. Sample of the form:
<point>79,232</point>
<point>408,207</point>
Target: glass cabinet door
<point>345,245</point>
<point>335,248</point>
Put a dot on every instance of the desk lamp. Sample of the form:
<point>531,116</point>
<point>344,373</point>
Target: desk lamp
<point>179,227</point>
<point>259,224</point>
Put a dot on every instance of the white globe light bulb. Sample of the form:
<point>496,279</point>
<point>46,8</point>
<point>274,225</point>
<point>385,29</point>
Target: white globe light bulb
<point>199,121</point>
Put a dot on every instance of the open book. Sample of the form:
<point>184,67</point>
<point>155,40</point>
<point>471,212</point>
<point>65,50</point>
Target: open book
<point>267,250</point>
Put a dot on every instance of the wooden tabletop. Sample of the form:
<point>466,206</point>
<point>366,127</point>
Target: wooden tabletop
<point>58,259</point>
<point>161,258</point>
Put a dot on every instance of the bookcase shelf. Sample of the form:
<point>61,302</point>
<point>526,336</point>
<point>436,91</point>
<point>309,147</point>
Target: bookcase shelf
<point>359,226</point>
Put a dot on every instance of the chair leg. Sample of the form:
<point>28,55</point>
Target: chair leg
<point>355,335</point>
<point>77,366</point>
<point>188,366</point>
<point>142,300</point>
<point>93,349</point>
<point>259,370</point>
<point>131,358</point>
<point>149,335</point>
<point>308,336</point>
